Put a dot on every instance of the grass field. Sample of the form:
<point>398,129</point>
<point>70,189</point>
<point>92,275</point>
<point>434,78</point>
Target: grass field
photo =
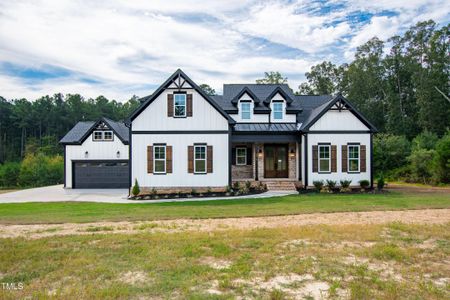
<point>63,212</point>
<point>353,261</point>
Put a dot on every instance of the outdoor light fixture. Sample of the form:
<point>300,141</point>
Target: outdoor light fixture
<point>86,154</point>
<point>260,152</point>
<point>292,152</point>
<point>118,154</point>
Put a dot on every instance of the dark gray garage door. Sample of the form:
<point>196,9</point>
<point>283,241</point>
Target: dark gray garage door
<point>100,174</point>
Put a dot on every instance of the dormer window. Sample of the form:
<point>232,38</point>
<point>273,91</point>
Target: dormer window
<point>245,110</point>
<point>179,105</point>
<point>277,110</point>
<point>102,135</point>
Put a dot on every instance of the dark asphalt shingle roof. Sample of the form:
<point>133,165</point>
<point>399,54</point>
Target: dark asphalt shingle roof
<point>83,128</point>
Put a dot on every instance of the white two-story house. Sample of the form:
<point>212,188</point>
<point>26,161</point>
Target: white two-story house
<point>180,138</point>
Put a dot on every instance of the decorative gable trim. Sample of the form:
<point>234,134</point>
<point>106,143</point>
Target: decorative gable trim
<point>175,79</point>
<point>341,103</point>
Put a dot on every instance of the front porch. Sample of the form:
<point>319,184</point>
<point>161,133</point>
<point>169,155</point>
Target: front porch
<point>276,164</point>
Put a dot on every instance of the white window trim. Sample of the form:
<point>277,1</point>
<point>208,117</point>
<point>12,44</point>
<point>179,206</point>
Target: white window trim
<point>319,159</point>
<point>174,106</point>
<point>242,111</point>
<point>159,159</point>
<point>196,159</point>
<point>282,110</point>
<point>237,163</point>
<point>102,136</point>
<point>357,159</point>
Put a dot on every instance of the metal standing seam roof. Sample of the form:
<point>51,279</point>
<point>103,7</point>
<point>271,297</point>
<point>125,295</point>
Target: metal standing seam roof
<point>265,127</point>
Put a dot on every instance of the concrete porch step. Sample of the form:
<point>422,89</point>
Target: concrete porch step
<point>280,186</point>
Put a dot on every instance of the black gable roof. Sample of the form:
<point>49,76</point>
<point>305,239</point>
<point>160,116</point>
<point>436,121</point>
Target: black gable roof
<point>78,134</point>
<point>261,91</point>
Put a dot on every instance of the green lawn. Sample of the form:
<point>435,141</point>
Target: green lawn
<point>27,213</point>
<point>391,261</point>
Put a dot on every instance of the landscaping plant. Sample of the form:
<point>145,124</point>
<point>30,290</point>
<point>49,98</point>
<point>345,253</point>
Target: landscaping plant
<point>345,185</point>
<point>364,184</point>
<point>136,189</point>
<point>318,185</point>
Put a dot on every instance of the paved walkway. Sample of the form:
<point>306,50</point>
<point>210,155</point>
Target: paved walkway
<point>57,193</point>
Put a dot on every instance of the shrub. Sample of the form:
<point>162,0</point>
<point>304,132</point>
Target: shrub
<point>9,174</point>
<point>441,161</point>
<point>421,165</point>
<point>209,190</point>
<point>345,185</point>
<point>331,184</point>
<point>40,170</point>
<point>390,152</point>
<point>380,182</point>
<point>364,184</point>
<point>154,192</point>
<point>135,190</point>
<point>318,185</point>
<point>236,185</point>
<point>248,184</point>
<point>426,140</point>
<point>228,190</point>
<point>193,191</point>
<point>261,186</point>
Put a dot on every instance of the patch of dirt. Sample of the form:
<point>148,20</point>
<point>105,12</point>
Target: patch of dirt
<point>218,264</point>
<point>426,216</point>
<point>386,270</point>
<point>292,244</point>
<point>296,286</point>
<point>427,244</point>
<point>134,277</point>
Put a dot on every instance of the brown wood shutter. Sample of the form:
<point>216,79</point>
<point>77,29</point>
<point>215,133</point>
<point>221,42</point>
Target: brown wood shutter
<point>363,158</point>
<point>344,158</point>
<point>315,157</point>
<point>189,105</point>
<point>170,105</point>
<point>190,159</point>
<point>168,159</point>
<point>209,158</point>
<point>150,159</point>
<point>333,159</point>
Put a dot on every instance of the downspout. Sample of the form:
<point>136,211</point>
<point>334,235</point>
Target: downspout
<point>371,160</point>
<point>65,157</point>
<point>305,185</point>
<point>130,150</point>
<point>230,149</point>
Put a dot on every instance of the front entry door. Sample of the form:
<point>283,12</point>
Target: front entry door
<point>276,161</point>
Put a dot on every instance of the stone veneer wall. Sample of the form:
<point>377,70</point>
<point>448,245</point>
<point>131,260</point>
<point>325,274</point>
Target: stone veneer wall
<point>242,172</point>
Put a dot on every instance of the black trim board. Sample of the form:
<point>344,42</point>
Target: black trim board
<point>245,90</point>
<point>65,168</point>
<point>130,149</point>
<point>305,184</point>
<point>279,90</point>
<point>338,131</point>
<point>263,138</point>
<point>149,99</point>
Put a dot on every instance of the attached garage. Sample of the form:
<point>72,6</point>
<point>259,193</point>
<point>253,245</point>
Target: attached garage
<point>100,174</point>
<point>96,155</point>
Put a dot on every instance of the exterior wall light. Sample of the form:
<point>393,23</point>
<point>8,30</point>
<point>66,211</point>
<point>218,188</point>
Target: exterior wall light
<point>292,152</point>
<point>118,154</point>
<point>86,154</point>
<point>260,152</point>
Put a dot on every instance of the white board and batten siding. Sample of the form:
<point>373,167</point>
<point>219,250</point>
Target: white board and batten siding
<point>204,118</point>
<point>334,120</point>
<point>98,150</point>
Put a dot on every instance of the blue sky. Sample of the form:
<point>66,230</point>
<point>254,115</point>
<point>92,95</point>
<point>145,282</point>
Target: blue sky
<point>118,48</point>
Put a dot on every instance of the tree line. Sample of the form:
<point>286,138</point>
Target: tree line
<point>401,85</point>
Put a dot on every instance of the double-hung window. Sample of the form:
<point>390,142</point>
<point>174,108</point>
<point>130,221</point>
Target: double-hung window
<point>179,105</point>
<point>245,110</point>
<point>324,158</point>
<point>107,135</point>
<point>353,158</point>
<point>277,110</point>
<point>199,159</point>
<point>241,156</point>
<point>98,135</point>
<point>159,159</point>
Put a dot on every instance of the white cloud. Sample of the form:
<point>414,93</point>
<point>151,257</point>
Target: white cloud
<point>127,45</point>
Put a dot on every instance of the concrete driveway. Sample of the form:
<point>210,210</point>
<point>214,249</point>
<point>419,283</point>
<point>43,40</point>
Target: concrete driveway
<point>57,193</point>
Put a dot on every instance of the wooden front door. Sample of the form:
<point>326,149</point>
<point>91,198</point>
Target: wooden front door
<point>276,161</point>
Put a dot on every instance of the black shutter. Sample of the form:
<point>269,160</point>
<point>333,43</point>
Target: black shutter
<point>233,156</point>
<point>249,155</point>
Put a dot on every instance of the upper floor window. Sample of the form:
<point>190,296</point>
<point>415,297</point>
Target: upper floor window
<point>277,110</point>
<point>179,105</point>
<point>353,158</point>
<point>245,110</point>
<point>324,158</point>
<point>102,135</point>
<point>159,158</point>
<point>199,159</point>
